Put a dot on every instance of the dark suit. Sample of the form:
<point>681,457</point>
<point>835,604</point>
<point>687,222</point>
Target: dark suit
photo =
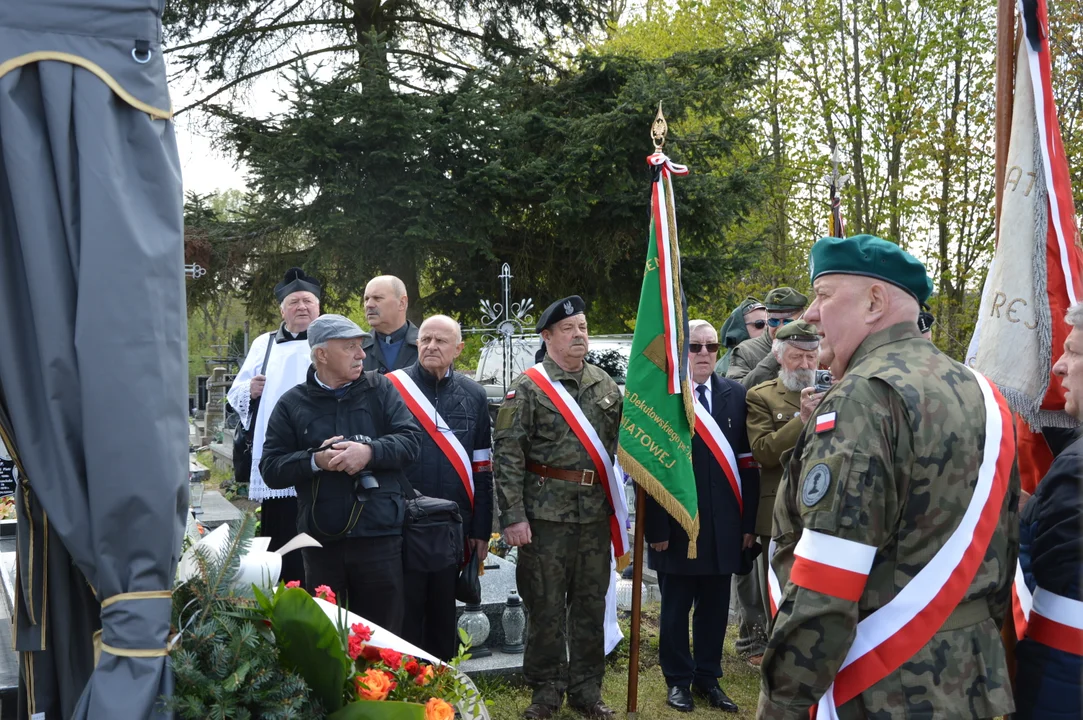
<point>374,354</point>
<point>705,581</point>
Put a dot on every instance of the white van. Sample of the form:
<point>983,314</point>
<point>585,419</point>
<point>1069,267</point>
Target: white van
<point>609,352</point>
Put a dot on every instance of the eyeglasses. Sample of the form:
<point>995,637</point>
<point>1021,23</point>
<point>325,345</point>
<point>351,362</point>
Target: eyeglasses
<point>694,348</point>
<point>775,322</point>
<point>758,324</point>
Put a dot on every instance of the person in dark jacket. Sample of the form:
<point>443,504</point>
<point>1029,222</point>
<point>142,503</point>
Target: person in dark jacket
<point>393,343</point>
<point>453,406</point>
<point>349,494</point>
<point>748,320</point>
<point>725,532</point>
<point>1049,678</point>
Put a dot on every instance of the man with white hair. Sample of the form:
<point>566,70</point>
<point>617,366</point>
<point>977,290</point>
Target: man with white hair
<point>777,412</point>
<point>277,361</point>
<point>896,523</point>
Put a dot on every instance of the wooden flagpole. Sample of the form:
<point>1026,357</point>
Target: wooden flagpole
<point>1005,98</point>
<point>637,603</point>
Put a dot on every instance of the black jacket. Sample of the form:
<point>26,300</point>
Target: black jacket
<point>462,404</point>
<point>721,524</point>
<point>374,356</point>
<point>306,416</point>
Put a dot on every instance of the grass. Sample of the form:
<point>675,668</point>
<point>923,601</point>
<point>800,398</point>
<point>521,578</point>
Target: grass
<point>740,681</point>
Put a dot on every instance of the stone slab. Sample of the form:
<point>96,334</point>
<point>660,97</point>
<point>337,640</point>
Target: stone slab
<point>217,510</point>
<point>223,455</point>
<point>197,470</point>
<point>499,663</point>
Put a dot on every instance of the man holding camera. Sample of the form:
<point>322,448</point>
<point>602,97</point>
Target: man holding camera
<point>342,438</point>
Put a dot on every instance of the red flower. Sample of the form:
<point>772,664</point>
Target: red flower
<point>293,584</point>
<point>355,648</point>
<point>370,653</point>
<point>413,667</point>
<point>326,593</point>
<point>362,631</point>
<point>392,658</point>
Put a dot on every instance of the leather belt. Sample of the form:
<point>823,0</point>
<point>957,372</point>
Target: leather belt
<point>579,477</point>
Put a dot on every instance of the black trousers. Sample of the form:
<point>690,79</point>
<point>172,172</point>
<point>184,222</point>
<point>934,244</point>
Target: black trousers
<point>710,596</point>
<point>366,575</point>
<point>278,521</point>
<point>430,621</point>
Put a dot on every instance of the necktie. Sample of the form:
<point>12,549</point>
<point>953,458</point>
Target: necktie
<point>702,392</point>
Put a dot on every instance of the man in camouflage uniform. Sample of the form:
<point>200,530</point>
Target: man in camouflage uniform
<point>784,305</point>
<point>884,472</point>
<point>554,508</point>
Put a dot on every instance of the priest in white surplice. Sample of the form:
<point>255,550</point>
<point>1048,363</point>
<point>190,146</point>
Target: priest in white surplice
<point>276,362</point>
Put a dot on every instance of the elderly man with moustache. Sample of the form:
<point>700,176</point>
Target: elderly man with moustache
<point>453,464</point>
<point>727,514</point>
<point>343,438</point>
<point>393,343</point>
<point>896,523</point>
<point>555,509</point>
<point>276,362</point>
<point>1049,659</point>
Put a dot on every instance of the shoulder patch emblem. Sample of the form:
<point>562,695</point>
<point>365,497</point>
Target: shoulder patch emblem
<point>825,422</point>
<point>816,484</point>
<point>510,395</point>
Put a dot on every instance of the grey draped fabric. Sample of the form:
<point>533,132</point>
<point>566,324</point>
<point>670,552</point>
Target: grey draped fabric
<point>93,371</point>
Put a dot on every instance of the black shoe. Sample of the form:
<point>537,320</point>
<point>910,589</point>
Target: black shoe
<point>596,711</point>
<point>680,698</point>
<point>538,711</point>
<point>717,699</point>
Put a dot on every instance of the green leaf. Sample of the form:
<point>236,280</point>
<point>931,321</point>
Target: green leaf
<point>382,710</point>
<point>309,644</point>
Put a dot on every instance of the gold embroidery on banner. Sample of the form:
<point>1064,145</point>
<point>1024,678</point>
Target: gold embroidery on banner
<point>44,55</point>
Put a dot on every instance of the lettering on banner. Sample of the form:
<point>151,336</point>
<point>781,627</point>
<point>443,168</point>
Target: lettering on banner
<point>7,473</point>
<point>652,265</point>
<point>640,435</point>
<point>1015,174</point>
<point>1000,300</point>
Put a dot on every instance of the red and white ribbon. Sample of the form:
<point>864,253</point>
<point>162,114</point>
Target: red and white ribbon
<point>712,436</point>
<point>669,262</point>
<point>831,565</point>
<point>1056,621</point>
<point>573,414</point>
<point>437,428</point>
<point>1022,601</point>
<point>774,591</point>
<point>895,632</point>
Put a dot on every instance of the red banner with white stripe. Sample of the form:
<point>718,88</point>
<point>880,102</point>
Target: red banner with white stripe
<point>712,436</point>
<point>438,429</point>
<point>573,414</point>
<point>895,632</point>
<point>1056,621</point>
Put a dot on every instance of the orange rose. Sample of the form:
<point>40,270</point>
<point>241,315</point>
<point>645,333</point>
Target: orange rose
<point>374,685</point>
<point>425,676</point>
<point>437,709</point>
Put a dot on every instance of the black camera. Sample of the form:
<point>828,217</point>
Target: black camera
<point>365,480</point>
<point>824,381</point>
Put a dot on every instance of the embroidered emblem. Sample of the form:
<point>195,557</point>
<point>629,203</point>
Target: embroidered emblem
<point>816,484</point>
<point>568,309</point>
<point>510,395</point>
<point>825,422</point>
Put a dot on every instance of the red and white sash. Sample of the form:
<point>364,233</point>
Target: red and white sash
<point>441,432</point>
<point>712,436</point>
<point>894,633</point>
<point>571,412</point>
<point>1022,602</point>
<point>774,591</point>
<point>1056,621</point>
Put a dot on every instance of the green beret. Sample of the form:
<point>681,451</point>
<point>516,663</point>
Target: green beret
<point>873,257</point>
<point>798,331</point>
<point>785,299</point>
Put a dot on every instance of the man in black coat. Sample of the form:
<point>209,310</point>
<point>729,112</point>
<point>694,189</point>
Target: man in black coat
<point>393,343</point>
<point>459,467</point>
<point>726,532</point>
<point>349,495</point>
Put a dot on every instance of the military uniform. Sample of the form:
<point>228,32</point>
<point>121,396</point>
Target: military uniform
<point>774,425</point>
<point>753,362</point>
<point>892,466</point>
<point>745,357</point>
<point>564,572</point>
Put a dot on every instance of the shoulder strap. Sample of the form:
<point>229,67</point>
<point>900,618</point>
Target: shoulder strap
<point>267,355</point>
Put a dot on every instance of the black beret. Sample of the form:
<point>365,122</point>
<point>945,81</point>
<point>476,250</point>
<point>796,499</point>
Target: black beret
<point>295,280</point>
<point>561,309</point>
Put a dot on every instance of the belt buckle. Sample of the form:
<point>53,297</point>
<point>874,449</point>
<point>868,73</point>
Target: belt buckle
<point>588,478</point>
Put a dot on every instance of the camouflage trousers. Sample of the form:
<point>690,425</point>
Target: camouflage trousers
<point>563,575</point>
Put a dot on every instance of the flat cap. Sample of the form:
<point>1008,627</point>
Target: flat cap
<point>295,280</point>
<point>333,327</point>
<point>784,299</point>
<point>561,309</point>
<point>926,320</point>
<point>799,331</point>
<point>872,257</point>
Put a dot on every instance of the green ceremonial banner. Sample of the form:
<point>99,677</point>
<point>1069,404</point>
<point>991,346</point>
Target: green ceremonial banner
<point>655,445</point>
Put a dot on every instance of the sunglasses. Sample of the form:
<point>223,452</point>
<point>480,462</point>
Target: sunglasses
<point>694,348</point>
<point>775,322</point>
<point>758,324</point>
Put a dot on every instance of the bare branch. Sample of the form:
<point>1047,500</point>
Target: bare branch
<point>262,30</point>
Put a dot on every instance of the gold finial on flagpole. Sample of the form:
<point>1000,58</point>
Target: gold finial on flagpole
<point>659,128</point>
